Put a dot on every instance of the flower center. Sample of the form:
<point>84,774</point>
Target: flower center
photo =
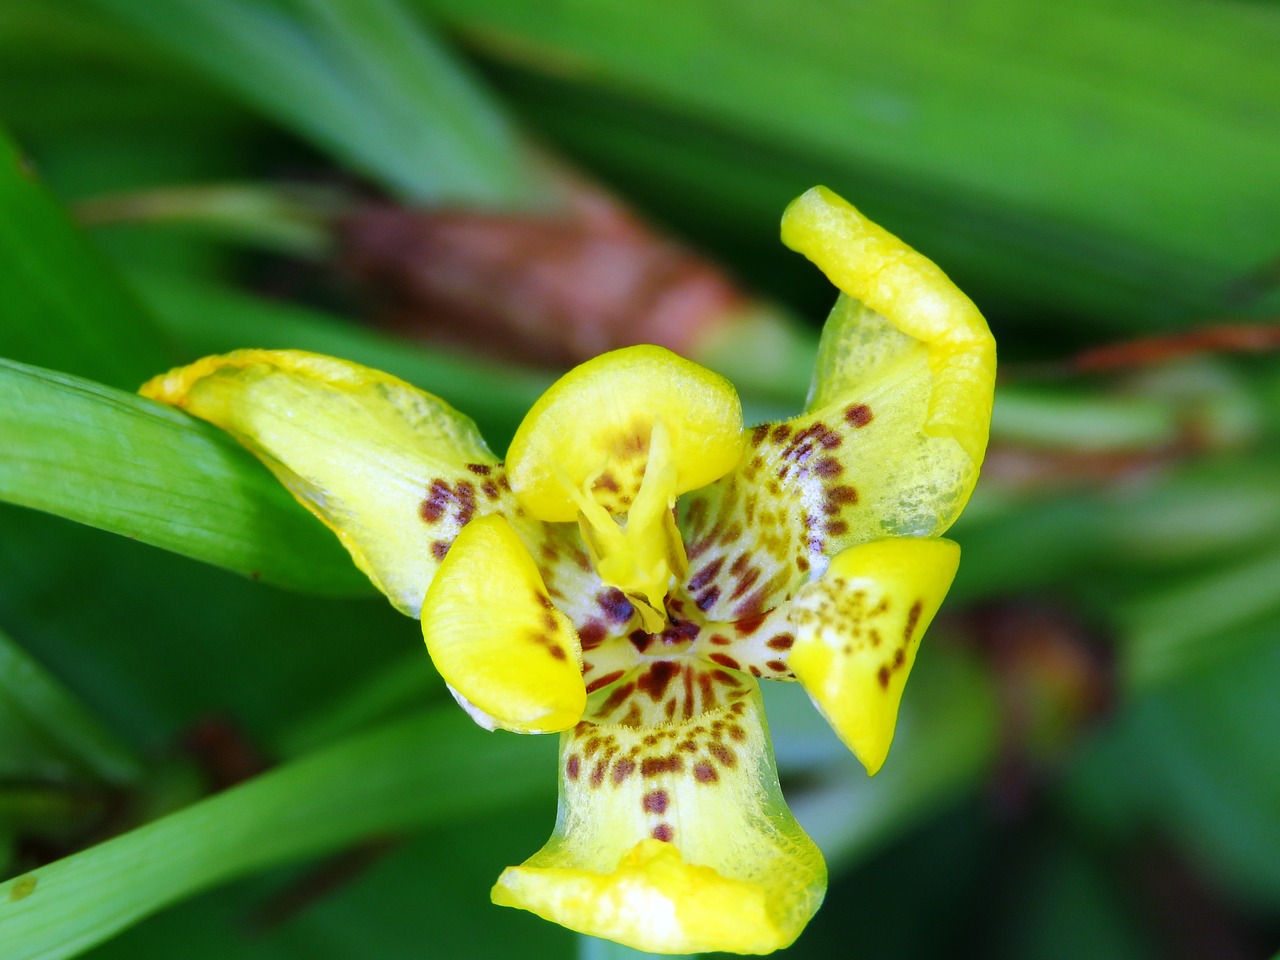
<point>610,446</point>
<point>641,552</point>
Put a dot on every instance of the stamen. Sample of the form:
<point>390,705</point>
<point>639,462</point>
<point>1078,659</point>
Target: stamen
<point>640,554</point>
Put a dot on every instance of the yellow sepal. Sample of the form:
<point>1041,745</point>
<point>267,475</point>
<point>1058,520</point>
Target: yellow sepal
<point>873,266</point>
<point>673,837</point>
<point>857,632</point>
<point>496,637</point>
<point>593,428</point>
<point>891,439</point>
<point>393,471</point>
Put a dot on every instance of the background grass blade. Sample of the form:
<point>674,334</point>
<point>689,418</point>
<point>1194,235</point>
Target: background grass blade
<point>116,461</point>
<point>364,80</point>
<point>40,717</point>
<point>1176,629</point>
<point>998,147</point>
<point>429,768</point>
<point>61,304</point>
<point>211,319</point>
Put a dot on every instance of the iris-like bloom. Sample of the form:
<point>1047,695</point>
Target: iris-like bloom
<point>640,559</point>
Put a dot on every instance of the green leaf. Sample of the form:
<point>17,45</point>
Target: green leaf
<point>361,78</point>
<point>425,897</point>
<point>1003,158</point>
<point>427,769</point>
<point>1197,758</point>
<point>1179,627</point>
<point>158,643</point>
<point>62,306</point>
<point>116,461</point>
<point>47,733</point>
<point>407,683</point>
<point>1079,421</point>
<point>1218,508</point>
<point>1074,906</point>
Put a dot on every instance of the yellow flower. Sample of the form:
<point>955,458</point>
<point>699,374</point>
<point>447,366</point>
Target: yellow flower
<point>639,560</point>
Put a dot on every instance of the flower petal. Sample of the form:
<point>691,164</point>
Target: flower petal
<point>905,333</point>
<point>593,426</point>
<point>495,636</point>
<point>675,837</point>
<point>395,472</point>
<point>870,264</point>
<point>857,632</point>
<point>893,436</point>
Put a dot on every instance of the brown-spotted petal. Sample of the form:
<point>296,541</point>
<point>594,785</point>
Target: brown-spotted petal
<point>394,471</point>
<point>674,838</point>
<point>892,438</point>
<point>857,630</point>
<point>497,638</point>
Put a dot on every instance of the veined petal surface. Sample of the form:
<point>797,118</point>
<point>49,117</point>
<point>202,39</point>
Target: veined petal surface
<point>673,836</point>
<point>394,471</point>
<point>858,629</point>
<point>898,310</point>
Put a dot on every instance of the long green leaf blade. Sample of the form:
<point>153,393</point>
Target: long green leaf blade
<point>116,461</point>
<point>363,79</point>
<point>1129,139</point>
<point>211,319</point>
<point>60,304</point>
<point>426,769</point>
<point>64,730</point>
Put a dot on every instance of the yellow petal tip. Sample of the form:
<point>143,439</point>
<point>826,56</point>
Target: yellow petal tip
<point>879,270</point>
<point>652,901</point>
<point>857,632</point>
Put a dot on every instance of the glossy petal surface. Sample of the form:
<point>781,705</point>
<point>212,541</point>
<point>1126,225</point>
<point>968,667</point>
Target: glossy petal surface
<point>594,427</point>
<point>871,265</point>
<point>893,435</point>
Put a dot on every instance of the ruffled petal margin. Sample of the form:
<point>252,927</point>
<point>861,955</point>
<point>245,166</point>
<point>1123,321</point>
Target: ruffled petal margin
<point>892,438</point>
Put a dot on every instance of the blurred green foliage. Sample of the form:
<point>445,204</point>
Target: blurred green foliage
<point>1087,763</point>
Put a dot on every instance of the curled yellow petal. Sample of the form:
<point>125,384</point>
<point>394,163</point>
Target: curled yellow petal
<point>857,632</point>
<point>395,472</point>
<point>673,836</point>
<point>874,267</point>
<point>593,428</point>
<point>497,639</point>
<point>892,438</point>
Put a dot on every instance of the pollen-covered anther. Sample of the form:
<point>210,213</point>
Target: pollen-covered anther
<point>642,553</point>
